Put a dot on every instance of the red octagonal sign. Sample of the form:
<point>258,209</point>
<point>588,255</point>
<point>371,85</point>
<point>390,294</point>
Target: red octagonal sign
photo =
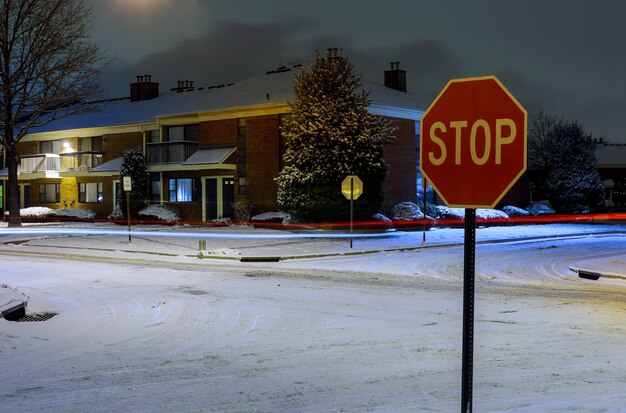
<point>473,142</point>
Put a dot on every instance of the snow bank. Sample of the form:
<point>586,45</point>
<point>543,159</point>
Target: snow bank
<point>223,252</point>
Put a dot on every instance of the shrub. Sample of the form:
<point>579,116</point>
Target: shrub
<point>271,217</point>
<point>243,211</point>
<point>514,211</point>
<point>406,211</point>
<point>539,209</point>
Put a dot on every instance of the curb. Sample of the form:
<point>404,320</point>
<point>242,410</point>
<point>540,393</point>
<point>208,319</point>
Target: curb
<point>595,275</point>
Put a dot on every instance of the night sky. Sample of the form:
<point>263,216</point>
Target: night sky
<point>565,57</point>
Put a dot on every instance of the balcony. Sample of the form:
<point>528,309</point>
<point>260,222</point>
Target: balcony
<point>45,163</point>
<point>170,152</point>
<point>80,161</point>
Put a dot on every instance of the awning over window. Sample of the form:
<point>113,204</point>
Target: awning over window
<point>210,156</point>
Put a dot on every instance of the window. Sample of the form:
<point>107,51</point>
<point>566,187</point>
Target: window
<point>90,192</point>
<point>50,147</point>
<point>49,193</point>
<point>93,144</point>
<point>155,187</point>
<point>183,133</point>
<point>182,190</point>
<point>154,136</point>
<point>241,156</point>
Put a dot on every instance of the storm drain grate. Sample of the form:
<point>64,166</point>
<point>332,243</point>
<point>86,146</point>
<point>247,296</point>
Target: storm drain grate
<point>36,317</point>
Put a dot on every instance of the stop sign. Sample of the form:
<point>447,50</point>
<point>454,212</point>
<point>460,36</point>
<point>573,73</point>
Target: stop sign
<point>473,142</point>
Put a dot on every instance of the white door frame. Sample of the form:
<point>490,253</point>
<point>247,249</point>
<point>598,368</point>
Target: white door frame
<point>22,192</point>
<point>220,194</point>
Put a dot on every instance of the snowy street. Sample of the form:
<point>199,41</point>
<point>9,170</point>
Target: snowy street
<point>371,332</point>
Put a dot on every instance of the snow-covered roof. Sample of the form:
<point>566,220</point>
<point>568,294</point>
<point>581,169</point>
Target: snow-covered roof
<point>269,88</point>
<point>611,155</point>
<point>114,165</point>
<point>209,156</point>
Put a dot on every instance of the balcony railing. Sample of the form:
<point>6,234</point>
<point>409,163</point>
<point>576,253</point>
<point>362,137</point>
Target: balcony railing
<point>40,163</point>
<point>170,152</point>
<point>80,161</point>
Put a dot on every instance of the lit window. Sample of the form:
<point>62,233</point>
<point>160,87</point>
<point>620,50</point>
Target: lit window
<point>181,190</point>
<point>90,192</point>
<point>49,193</point>
<point>50,147</point>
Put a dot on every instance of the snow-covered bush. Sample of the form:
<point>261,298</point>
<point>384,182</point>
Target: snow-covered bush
<point>159,212</point>
<point>116,214</point>
<point>539,209</point>
<point>222,222</point>
<point>379,222</point>
<point>485,213</point>
<point>381,218</point>
<point>444,212</point>
<point>35,212</point>
<point>406,211</point>
<point>44,212</point>
<point>514,211</point>
<point>271,217</point>
<point>73,213</point>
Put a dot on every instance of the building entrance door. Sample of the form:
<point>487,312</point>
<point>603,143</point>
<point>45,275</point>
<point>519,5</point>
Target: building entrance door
<point>218,195</point>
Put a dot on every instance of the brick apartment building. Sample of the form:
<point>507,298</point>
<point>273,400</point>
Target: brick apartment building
<point>206,147</point>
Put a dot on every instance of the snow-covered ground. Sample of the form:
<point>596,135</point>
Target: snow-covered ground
<point>149,326</point>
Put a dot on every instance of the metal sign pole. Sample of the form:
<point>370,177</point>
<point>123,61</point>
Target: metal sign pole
<point>468,310</point>
<point>424,187</point>
<point>351,208</point>
<point>128,215</point>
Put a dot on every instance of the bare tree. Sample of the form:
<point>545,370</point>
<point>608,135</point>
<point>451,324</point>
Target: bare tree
<point>541,151</point>
<point>48,70</point>
<point>562,164</point>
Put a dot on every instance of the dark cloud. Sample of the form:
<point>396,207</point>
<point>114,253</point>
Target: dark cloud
<point>429,64</point>
<point>562,56</point>
<point>227,53</point>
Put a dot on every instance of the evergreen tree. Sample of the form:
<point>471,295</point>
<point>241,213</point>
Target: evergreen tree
<point>134,165</point>
<point>329,136</point>
<point>565,156</point>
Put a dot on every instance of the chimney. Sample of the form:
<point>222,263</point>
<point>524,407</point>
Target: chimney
<point>143,89</point>
<point>183,86</point>
<point>395,78</point>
